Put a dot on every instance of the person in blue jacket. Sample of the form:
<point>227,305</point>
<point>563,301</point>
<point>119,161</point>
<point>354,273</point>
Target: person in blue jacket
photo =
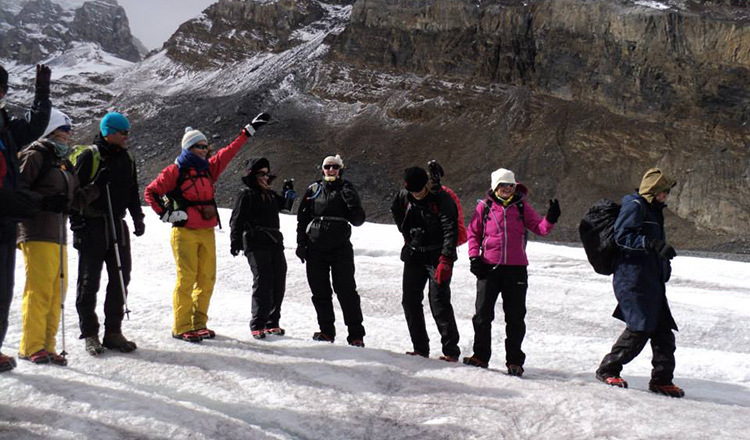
<point>642,270</point>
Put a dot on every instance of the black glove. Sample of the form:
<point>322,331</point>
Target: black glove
<point>553,211</point>
<point>259,121</point>
<point>478,267</point>
<point>55,203</point>
<point>288,184</point>
<point>301,253</point>
<point>436,174</point>
<point>349,195</point>
<point>236,248</point>
<point>43,78</point>
<point>139,228</point>
<point>664,249</point>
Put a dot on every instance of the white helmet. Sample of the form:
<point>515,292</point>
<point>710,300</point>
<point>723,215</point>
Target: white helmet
<point>57,119</point>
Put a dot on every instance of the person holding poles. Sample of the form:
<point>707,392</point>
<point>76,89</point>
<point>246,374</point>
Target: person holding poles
<point>47,174</point>
<point>100,233</point>
<point>189,185</point>
<point>14,134</point>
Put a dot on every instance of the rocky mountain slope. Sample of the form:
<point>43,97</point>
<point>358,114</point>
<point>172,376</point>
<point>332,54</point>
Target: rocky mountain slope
<point>578,97</point>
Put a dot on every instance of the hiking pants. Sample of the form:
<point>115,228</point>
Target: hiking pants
<point>195,256</point>
<point>511,282</point>
<point>42,297</point>
<point>337,266</point>
<point>7,277</point>
<point>269,282</point>
<point>95,249</point>
<point>631,343</point>
<point>416,276</point>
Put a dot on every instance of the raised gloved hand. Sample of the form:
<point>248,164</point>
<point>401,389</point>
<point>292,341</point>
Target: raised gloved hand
<point>43,79</point>
<point>170,216</point>
<point>235,248</point>
<point>288,185</point>
<point>553,211</point>
<point>139,228</point>
<point>55,203</point>
<point>257,122</point>
<point>664,249</point>
<point>444,270</point>
<point>301,253</point>
<point>350,196</point>
<point>478,267</point>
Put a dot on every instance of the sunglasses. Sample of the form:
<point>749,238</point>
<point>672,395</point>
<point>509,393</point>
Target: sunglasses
<point>265,174</point>
<point>124,132</point>
<point>506,185</point>
<point>331,166</point>
<point>200,146</point>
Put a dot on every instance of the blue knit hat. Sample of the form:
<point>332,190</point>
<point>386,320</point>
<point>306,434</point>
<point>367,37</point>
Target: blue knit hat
<point>112,123</point>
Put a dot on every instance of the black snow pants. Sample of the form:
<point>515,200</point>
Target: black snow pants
<point>416,275</point>
<point>336,265</point>
<point>269,282</point>
<point>7,276</point>
<point>511,282</point>
<point>95,246</point>
<point>631,343</point>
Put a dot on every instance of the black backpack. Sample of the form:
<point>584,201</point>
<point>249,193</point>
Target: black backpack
<point>597,231</point>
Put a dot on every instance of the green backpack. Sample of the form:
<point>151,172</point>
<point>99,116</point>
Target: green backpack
<point>75,155</point>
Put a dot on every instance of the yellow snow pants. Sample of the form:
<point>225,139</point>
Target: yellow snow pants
<point>40,308</point>
<point>195,256</point>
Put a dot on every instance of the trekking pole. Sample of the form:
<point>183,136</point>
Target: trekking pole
<point>62,283</point>
<point>117,252</point>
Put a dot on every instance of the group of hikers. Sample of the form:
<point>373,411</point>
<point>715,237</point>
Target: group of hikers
<point>45,181</point>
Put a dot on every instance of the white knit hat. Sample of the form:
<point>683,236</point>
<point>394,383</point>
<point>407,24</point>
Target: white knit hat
<point>333,160</point>
<point>57,119</point>
<point>192,137</point>
<point>502,176</point>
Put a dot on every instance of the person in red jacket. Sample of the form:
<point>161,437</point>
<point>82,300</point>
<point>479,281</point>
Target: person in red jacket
<point>189,186</point>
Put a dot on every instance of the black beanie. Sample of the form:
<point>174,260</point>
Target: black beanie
<point>3,79</point>
<point>415,179</point>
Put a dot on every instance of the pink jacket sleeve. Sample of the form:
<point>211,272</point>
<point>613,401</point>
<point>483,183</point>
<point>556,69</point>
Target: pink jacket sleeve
<point>475,230</point>
<point>534,222</point>
<point>218,162</point>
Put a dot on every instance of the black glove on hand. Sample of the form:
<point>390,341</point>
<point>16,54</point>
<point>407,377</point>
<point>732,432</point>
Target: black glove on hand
<point>236,248</point>
<point>288,184</point>
<point>43,79</point>
<point>301,253</point>
<point>478,267</point>
<point>259,121</point>
<point>553,211</point>
<point>664,249</point>
<point>139,228</point>
<point>55,203</point>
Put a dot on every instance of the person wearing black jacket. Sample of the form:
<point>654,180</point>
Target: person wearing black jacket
<point>428,220</point>
<point>255,231</point>
<point>15,133</point>
<point>114,174</point>
<point>325,214</point>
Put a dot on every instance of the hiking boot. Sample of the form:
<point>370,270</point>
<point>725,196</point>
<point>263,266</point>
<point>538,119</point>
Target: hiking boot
<point>93,346</point>
<point>448,358</point>
<point>320,336</point>
<point>475,362</point>
<point>206,333</point>
<point>615,381</point>
<point>276,331</point>
<point>40,357</point>
<point>57,359</point>
<point>190,336</point>
<point>258,334</point>
<point>417,353</point>
<point>670,390</point>
<point>515,370</point>
<point>7,363</point>
<point>116,341</point>
<point>357,343</point>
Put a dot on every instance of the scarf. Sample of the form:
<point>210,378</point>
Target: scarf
<point>187,159</point>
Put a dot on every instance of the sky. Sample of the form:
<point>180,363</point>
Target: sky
<point>294,388</point>
<point>154,21</point>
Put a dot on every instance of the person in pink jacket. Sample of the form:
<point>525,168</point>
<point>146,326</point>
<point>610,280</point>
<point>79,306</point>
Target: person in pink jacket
<point>189,186</point>
<point>497,252</point>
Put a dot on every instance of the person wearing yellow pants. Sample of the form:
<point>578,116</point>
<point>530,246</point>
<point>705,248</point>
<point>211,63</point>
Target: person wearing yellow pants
<point>195,256</point>
<point>41,301</point>
<point>189,185</point>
